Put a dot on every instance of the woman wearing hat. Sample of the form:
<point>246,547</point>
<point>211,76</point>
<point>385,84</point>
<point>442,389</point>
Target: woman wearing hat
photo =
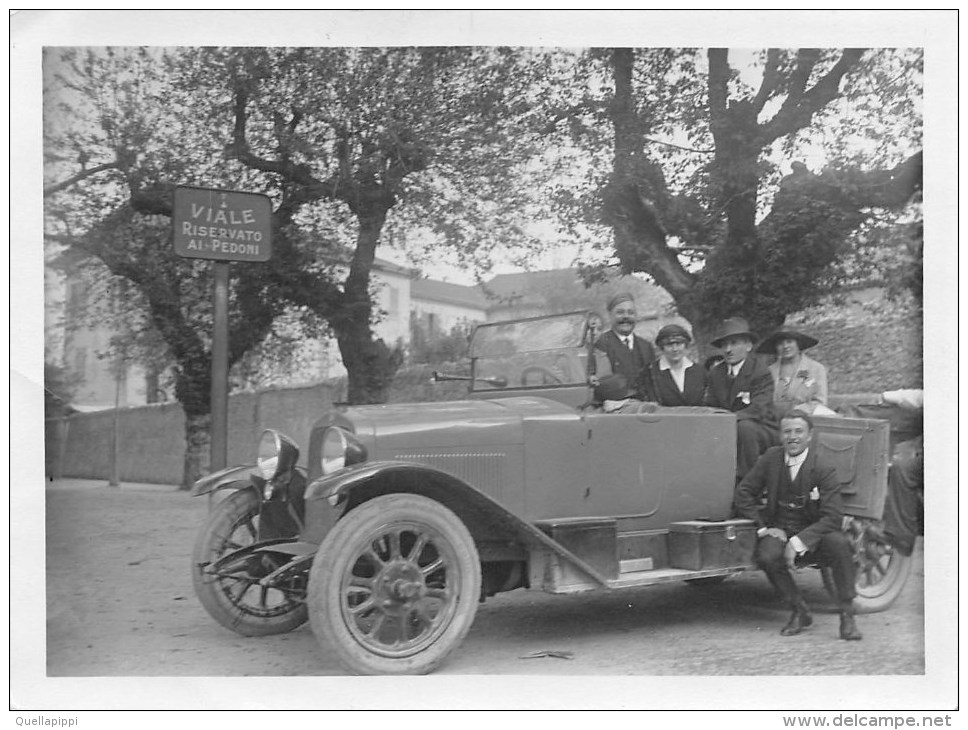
<point>799,382</point>
<point>676,380</point>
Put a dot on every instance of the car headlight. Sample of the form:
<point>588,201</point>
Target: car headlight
<point>277,454</point>
<point>340,448</point>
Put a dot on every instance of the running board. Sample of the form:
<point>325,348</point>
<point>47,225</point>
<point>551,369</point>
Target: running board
<point>669,575</point>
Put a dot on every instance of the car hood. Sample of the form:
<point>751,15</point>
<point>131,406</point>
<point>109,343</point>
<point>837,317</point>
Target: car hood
<point>451,423</point>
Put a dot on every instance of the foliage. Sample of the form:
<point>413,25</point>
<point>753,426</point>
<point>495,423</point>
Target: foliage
<point>429,346</point>
<point>671,162</point>
<point>686,154</point>
<point>349,143</point>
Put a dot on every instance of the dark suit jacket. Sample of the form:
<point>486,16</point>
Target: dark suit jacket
<point>668,394</point>
<point>622,362</point>
<point>769,476</point>
<point>754,380</point>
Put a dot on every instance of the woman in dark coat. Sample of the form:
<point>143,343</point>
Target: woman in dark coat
<point>676,380</point>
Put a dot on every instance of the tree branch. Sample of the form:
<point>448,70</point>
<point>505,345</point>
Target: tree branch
<point>718,92</point>
<point>289,171</point>
<point>800,106</point>
<point>82,175</point>
<point>771,77</point>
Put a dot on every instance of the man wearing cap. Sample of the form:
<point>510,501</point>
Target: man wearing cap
<point>799,382</point>
<point>628,355</point>
<point>743,384</point>
<point>676,380</point>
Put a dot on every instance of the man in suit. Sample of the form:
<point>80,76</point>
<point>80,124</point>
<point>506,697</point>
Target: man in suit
<point>676,380</point>
<point>742,383</point>
<point>626,354</point>
<point>801,522</point>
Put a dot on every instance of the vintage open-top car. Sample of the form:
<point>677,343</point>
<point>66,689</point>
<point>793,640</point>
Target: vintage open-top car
<point>408,515</point>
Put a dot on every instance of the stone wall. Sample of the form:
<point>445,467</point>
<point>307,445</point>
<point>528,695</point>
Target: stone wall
<point>868,347</point>
<point>151,439</point>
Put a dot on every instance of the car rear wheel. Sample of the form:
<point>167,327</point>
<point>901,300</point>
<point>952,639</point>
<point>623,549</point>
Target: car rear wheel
<point>233,597</point>
<point>882,570</point>
<point>394,586</point>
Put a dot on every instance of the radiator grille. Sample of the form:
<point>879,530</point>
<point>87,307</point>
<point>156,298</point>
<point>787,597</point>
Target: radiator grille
<point>484,470</point>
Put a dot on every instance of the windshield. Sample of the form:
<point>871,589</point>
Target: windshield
<point>542,351</point>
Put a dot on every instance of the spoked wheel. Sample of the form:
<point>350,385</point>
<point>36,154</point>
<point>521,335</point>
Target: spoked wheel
<point>882,570</point>
<point>395,585</point>
<point>234,597</point>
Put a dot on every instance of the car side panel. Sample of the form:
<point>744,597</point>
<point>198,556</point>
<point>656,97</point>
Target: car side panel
<point>556,466</point>
<point>658,468</point>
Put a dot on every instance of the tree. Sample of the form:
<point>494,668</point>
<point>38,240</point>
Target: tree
<point>429,345</point>
<point>709,218</point>
<point>355,146</point>
<point>58,390</point>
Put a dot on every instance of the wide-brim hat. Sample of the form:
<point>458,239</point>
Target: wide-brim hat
<point>673,332</point>
<point>733,327</point>
<point>769,344</point>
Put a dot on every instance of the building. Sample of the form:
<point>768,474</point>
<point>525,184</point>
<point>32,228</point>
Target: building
<point>400,299</point>
<point>403,300</point>
<point>99,381</point>
<point>534,293</point>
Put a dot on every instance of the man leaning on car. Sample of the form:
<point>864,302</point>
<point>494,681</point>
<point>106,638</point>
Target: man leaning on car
<point>795,501</point>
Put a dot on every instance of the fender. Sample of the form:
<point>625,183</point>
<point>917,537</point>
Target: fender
<point>481,514</point>
<point>232,477</point>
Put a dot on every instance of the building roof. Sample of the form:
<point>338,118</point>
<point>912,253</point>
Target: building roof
<point>447,293</point>
<point>560,288</point>
<point>528,284</point>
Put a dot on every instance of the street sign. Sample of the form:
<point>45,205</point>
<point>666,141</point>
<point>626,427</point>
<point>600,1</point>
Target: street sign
<point>223,225</point>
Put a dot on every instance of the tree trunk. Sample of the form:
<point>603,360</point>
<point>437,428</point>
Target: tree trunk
<point>370,364</point>
<point>197,443</point>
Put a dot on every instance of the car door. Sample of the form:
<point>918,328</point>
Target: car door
<point>674,464</point>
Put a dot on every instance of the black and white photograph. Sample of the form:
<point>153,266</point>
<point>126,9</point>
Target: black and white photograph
<point>484,360</point>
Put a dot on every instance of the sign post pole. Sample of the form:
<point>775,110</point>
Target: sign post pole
<point>220,368</point>
<point>222,226</point>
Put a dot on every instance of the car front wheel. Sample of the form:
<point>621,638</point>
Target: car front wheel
<point>233,596</point>
<point>394,586</point>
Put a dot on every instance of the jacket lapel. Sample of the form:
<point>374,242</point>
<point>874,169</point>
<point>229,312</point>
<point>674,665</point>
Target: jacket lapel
<point>737,385</point>
<point>773,486</point>
<point>721,373</point>
<point>622,352</point>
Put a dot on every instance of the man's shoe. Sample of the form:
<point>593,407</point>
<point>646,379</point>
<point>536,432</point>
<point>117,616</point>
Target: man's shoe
<point>848,629</point>
<point>799,620</point>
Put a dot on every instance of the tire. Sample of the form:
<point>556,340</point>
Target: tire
<point>882,570</point>
<point>394,586</point>
<point>236,601</point>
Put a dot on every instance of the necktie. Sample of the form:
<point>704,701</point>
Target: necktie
<point>628,342</point>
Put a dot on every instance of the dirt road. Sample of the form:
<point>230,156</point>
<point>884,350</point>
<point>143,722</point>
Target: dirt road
<point>120,604</point>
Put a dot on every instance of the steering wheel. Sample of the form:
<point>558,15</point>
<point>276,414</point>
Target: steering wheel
<point>547,376</point>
